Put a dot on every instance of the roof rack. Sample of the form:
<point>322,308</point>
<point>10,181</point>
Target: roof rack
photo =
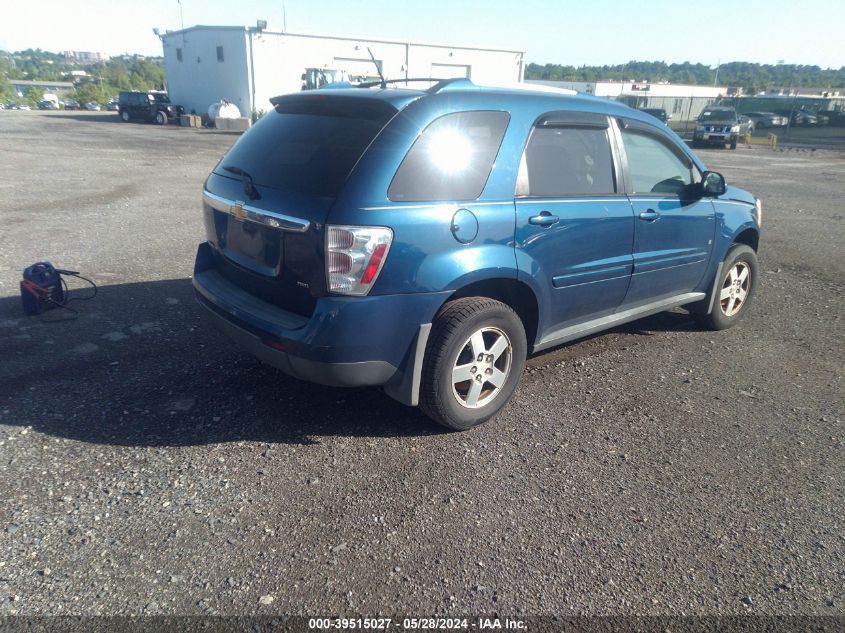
<point>383,84</point>
<point>537,88</point>
<point>451,84</point>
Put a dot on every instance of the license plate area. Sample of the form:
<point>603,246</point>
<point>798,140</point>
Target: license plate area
<point>252,245</point>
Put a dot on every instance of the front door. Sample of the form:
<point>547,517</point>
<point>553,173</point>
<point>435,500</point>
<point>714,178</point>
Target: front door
<point>674,227</point>
<point>574,229</point>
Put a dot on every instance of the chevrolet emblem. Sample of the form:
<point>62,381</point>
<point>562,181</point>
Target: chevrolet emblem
<point>237,210</point>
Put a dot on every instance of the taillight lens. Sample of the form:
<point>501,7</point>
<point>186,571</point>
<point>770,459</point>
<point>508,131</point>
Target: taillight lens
<point>355,256</point>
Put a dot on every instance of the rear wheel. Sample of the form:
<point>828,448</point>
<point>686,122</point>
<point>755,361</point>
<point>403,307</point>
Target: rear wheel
<point>125,116</point>
<point>735,290</point>
<point>473,362</point>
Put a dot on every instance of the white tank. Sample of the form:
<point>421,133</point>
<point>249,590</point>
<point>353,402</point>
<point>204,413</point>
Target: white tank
<point>223,110</point>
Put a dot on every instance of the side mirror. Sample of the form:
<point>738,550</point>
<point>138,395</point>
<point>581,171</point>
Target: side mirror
<point>713,184</point>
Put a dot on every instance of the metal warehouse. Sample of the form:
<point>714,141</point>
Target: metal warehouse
<point>248,65</point>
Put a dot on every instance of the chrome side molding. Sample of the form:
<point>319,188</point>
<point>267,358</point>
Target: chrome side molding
<point>238,209</point>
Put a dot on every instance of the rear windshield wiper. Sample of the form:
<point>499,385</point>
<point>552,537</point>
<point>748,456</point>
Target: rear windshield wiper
<point>249,183</point>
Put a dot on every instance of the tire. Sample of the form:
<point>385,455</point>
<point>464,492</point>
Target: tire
<point>464,331</point>
<point>733,142</point>
<point>726,313</point>
<point>125,116</point>
<point>161,118</point>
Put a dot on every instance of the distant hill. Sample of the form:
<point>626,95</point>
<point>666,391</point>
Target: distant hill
<point>752,77</point>
<point>98,82</point>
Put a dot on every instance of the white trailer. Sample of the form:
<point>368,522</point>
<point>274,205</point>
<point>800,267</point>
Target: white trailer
<point>247,66</point>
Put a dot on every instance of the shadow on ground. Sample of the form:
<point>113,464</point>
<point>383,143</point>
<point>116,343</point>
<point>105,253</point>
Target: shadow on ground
<point>140,365</point>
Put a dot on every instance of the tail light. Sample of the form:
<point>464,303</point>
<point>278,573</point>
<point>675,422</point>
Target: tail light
<point>355,256</point>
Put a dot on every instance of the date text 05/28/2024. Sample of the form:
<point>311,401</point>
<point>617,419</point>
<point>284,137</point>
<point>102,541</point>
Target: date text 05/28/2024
<point>417,624</point>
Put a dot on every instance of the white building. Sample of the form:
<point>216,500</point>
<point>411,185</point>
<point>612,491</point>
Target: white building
<point>247,66</point>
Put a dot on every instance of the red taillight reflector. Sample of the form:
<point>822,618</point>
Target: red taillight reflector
<point>278,345</point>
<point>375,262</point>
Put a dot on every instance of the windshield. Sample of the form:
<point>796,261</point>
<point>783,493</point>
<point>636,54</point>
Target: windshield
<point>717,115</point>
<point>308,144</point>
<point>159,98</point>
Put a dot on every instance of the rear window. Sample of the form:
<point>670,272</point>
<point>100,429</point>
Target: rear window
<point>451,159</point>
<point>308,144</point>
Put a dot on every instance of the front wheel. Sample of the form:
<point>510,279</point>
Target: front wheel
<point>473,362</point>
<point>735,290</point>
<point>161,118</point>
<point>733,142</point>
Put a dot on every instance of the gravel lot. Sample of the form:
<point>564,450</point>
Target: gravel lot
<point>147,466</point>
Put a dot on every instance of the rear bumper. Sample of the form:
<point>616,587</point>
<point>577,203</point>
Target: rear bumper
<point>336,374</point>
<point>346,342</point>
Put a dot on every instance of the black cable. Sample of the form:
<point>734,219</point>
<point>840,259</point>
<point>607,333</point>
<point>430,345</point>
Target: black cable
<point>67,290</point>
<point>68,298</point>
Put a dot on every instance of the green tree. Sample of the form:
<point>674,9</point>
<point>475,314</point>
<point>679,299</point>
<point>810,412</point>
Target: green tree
<point>91,91</point>
<point>32,96</point>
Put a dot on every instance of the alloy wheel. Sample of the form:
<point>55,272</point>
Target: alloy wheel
<point>735,289</point>
<point>482,367</point>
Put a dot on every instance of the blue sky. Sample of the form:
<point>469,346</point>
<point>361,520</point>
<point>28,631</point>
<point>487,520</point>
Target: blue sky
<point>586,32</point>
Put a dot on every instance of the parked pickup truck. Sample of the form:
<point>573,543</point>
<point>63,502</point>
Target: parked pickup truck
<point>720,126</point>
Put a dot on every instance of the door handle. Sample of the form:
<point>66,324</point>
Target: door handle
<point>544,219</point>
<point>649,216</point>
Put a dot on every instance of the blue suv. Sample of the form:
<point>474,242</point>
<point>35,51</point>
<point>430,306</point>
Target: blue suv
<point>427,241</point>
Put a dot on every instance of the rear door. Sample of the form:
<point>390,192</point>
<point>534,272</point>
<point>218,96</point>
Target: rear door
<point>573,222</point>
<point>674,227</point>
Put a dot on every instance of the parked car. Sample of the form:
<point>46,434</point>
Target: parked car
<point>153,106</point>
<point>428,240</point>
<point>46,104</point>
<point>767,119</point>
<point>834,117</point>
<point>802,117</point>
<point>72,104</point>
<point>93,106</point>
<point>720,126</point>
<point>657,113</point>
<point>24,106</point>
<point>112,106</point>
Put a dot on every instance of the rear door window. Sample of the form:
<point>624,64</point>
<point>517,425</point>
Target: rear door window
<point>451,159</point>
<point>308,144</point>
<point>563,161</point>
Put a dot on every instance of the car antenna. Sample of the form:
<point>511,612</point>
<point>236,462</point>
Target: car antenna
<point>378,68</point>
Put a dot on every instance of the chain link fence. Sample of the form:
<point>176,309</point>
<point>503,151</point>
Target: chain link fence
<point>800,120</point>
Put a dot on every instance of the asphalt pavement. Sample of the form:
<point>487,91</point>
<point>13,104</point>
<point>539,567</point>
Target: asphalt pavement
<point>147,466</point>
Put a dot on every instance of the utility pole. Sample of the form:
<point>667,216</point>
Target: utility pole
<point>718,65</point>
